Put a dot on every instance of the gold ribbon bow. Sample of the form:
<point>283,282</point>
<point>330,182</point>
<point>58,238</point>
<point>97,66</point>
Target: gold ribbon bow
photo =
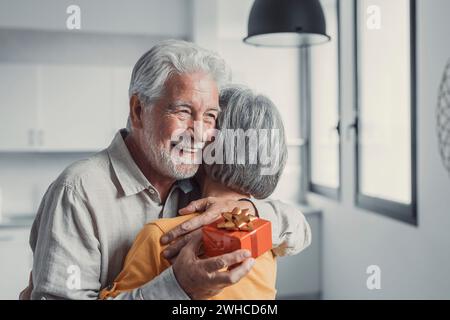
<point>237,220</point>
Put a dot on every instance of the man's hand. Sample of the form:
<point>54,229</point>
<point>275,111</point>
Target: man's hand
<point>200,278</point>
<point>212,208</point>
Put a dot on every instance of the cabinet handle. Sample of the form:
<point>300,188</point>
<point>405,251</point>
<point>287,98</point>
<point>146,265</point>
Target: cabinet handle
<point>41,138</point>
<point>31,137</point>
<point>6,238</point>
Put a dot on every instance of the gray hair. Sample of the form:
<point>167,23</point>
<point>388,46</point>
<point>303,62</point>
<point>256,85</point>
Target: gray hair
<point>169,57</point>
<point>242,109</point>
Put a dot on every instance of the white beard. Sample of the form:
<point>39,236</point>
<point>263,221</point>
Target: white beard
<point>161,159</point>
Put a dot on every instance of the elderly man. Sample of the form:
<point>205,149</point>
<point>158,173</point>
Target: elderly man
<point>92,212</point>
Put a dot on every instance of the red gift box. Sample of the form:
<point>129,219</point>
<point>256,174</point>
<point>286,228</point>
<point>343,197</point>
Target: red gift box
<point>219,238</point>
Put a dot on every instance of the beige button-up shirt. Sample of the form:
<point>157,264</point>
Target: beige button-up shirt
<point>91,214</point>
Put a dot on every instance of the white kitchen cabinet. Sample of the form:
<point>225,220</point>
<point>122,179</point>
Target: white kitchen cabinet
<point>100,16</point>
<point>62,108</point>
<point>75,107</point>
<point>16,262</point>
<point>18,96</point>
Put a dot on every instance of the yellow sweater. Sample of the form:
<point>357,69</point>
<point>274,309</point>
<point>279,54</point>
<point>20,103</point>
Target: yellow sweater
<point>144,261</point>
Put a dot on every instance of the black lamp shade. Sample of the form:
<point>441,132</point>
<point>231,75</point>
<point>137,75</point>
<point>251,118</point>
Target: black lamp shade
<point>286,23</point>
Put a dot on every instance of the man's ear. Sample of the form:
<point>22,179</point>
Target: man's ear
<point>136,109</point>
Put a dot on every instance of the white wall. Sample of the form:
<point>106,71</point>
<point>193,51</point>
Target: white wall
<point>414,261</point>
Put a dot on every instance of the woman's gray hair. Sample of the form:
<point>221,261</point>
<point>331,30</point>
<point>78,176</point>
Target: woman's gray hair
<point>169,57</point>
<point>242,109</point>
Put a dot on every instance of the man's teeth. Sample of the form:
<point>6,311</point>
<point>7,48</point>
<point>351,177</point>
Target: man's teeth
<point>188,149</point>
<point>191,148</point>
<point>199,145</point>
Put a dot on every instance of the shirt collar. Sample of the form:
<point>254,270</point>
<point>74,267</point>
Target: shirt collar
<point>130,177</point>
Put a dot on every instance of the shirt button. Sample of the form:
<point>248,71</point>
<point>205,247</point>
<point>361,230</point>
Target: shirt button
<point>151,191</point>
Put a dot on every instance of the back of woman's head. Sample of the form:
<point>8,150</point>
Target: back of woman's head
<point>252,133</point>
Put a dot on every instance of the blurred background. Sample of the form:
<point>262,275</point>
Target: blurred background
<point>365,164</point>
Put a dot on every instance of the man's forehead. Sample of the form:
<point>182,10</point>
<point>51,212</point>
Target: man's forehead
<point>196,82</point>
<point>190,104</point>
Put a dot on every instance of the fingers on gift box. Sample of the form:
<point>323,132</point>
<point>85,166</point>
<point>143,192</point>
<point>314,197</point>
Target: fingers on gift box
<point>237,230</point>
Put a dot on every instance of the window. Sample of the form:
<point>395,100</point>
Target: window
<point>324,149</point>
<point>385,108</point>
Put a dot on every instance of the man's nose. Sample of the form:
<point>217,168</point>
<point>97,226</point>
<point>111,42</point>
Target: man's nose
<point>197,131</point>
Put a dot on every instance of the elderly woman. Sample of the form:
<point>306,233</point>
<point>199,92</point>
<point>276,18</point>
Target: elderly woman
<point>241,111</point>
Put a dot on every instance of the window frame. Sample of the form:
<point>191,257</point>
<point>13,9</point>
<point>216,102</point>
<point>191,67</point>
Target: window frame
<point>331,193</point>
<point>392,209</point>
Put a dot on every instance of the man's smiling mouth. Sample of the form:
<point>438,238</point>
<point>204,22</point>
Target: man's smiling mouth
<point>187,148</point>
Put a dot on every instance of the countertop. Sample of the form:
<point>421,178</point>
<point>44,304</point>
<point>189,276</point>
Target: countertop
<point>16,220</point>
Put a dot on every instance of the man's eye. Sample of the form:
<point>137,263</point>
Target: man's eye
<point>184,111</point>
<point>211,115</point>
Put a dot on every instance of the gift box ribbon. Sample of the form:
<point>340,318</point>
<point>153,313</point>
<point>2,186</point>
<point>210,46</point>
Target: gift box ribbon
<point>237,220</point>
